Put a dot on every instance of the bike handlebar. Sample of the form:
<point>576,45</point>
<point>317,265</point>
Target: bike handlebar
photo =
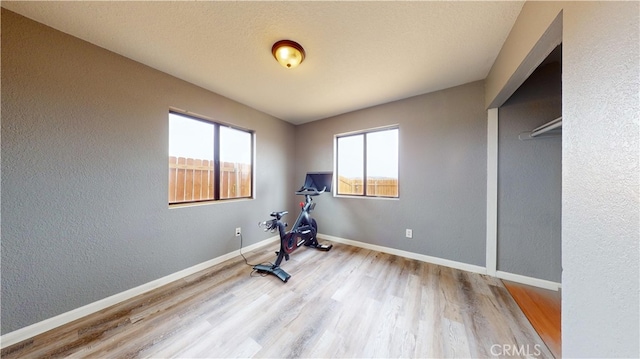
<point>310,191</point>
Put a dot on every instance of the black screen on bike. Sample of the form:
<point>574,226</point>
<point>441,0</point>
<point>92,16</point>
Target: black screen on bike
<point>319,180</point>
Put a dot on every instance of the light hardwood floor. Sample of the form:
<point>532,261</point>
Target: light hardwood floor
<point>349,302</point>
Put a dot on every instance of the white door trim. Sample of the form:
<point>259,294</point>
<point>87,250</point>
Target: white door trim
<point>492,191</point>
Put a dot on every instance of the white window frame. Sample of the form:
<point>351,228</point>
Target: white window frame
<point>335,163</point>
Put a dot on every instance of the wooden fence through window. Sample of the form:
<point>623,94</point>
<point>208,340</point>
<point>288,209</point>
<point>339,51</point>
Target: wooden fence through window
<point>192,179</point>
<point>382,187</point>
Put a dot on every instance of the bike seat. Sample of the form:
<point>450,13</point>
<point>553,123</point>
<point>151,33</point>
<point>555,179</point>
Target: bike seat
<point>279,215</point>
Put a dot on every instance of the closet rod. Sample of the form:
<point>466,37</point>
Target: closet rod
<point>549,126</point>
<point>552,125</point>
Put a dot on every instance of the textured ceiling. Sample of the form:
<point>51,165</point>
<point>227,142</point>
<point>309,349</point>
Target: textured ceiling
<point>359,54</point>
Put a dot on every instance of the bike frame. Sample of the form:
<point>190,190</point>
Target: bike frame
<point>303,232</point>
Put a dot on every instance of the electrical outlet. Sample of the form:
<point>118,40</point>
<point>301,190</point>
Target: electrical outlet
<point>409,233</point>
<point>238,232</point>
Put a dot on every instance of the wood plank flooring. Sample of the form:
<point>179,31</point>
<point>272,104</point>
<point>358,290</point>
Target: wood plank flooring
<point>349,302</point>
<point>543,309</point>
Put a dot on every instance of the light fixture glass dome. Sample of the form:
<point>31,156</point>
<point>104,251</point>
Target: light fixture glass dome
<point>288,53</point>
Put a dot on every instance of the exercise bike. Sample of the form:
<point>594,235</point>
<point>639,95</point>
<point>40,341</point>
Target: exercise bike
<point>304,229</point>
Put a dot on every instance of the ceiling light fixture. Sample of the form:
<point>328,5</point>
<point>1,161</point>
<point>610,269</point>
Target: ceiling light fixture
<point>288,53</point>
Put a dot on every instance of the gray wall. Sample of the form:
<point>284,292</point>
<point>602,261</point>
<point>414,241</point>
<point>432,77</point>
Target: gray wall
<point>600,167</point>
<point>443,161</point>
<point>84,175</point>
<point>530,179</point>
<point>601,180</point>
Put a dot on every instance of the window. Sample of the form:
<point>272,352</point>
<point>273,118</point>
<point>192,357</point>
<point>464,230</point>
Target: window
<point>208,161</point>
<point>367,163</point>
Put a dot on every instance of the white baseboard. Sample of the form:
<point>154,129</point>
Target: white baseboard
<point>64,318</point>
<point>421,257</point>
<point>541,283</point>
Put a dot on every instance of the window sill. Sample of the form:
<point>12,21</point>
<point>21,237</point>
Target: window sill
<point>206,203</point>
<point>367,197</point>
